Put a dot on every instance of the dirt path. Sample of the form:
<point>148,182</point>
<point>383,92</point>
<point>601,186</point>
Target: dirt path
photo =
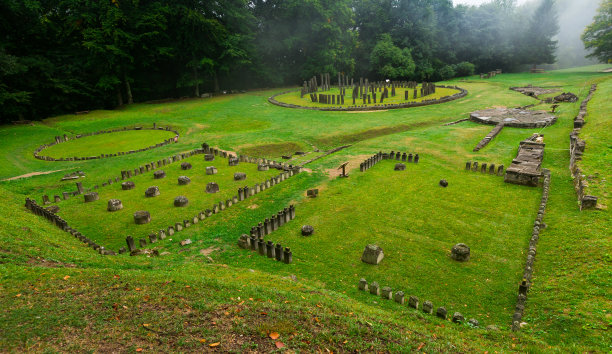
<point>35,174</point>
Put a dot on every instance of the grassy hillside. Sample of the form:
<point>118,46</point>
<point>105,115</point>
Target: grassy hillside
<point>57,294</point>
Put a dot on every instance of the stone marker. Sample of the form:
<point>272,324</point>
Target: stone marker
<point>441,312</point>
<point>209,157</point>
<point>181,201</point>
<point>363,284</point>
<point>428,307</point>
<point>143,242</point>
<point>413,302</point>
<point>307,230</point>
<point>312,193</point>
<point>399,297</point>
<point>212,187</point>
<point>400,167</point>
<point>91,196</point>
<point>387,293</point>
<point>185,166</point>
<point>114,205</point>
<point>152,191</point>
<point>460,252</point>
<point>185,242</point>
<point>239,176</point>
<point>130,243</point>
<point>372,254</point>
<point>262,167</point>
<point>211,170</point>
<point>444,183</point>
<point>142,217</point>
<point>159,174</point>
<point>127,185</point>
<point>374,288</point>
<point>458,317</point>
<point>183,180</point>
<point>474,322</point>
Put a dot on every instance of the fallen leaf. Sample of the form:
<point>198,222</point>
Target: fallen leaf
<point>18,295</point>
<point>145,325</point>
<point>202,340</point>
<point>420,346</point>
<point>242,302</point>
<point>280,345</point>
<point>214,344</point>
<point>66,277</point>
<point>137,289</point>
<point>274,335</point>
<point>139,349</point>
<point>346,341</point>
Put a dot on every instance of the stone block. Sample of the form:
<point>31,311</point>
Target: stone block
<point>142,217</point>
<point>114,205</point>
<point>375,288</point>
<point>372,254</point>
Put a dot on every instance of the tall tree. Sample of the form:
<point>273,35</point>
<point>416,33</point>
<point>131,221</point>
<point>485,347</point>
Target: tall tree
<point>389,61</point>
<point>598,35</point>
<point>539,46</point>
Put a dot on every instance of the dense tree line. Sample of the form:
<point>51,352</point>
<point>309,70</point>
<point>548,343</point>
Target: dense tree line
<point>59,56</point>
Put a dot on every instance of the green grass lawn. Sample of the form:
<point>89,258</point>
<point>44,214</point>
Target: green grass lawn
<point>407,213</point>
<point>110,143</point>
<point>294,97</point>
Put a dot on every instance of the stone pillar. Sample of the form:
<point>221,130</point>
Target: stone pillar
<point>130,243</point>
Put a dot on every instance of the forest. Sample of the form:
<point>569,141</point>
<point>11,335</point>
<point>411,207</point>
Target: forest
<point>60,56</point>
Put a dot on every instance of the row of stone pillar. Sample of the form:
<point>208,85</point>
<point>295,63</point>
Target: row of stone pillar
<point>483,168</point>
<point>255,241</point>
<point>31,205</point>
<point>413,301</point>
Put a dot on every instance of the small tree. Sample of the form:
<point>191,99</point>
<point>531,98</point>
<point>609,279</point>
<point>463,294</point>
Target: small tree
<point>390,61</point>
<point>598,35</point>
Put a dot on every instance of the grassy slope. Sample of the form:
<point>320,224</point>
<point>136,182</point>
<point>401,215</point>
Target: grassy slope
<point>58,295</point>
<point>566,305</point>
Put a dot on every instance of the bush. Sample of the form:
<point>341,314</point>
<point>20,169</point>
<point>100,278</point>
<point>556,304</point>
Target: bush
<point>464,69</point>
<point>446,72</point>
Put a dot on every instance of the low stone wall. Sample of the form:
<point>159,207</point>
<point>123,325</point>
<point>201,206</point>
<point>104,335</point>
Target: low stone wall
<point>492,134</point>
<point>393,155</point>
<point>413,302</point>
<point>483,168</point>
<point>577,147</point>
<point>64,138</point>
<point>462,93</point>
<point>456,122</point>
<point>529,264</point>
<point>63,225</point>
<point>255,241</point>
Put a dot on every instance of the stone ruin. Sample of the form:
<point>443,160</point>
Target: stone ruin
<point>114,205</point>
<point>142,217</point>
<point>526,168</point>
<point>513,117</point>
<point>566,97</point>
<point>533,91</point>
<point>460,252</point>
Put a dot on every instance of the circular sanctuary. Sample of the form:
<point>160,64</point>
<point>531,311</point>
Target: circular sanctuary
<point>350,95</point>
<point>514,117</point>
<point>106,143</point>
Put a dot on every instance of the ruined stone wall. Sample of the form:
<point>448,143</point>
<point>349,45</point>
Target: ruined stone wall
<point>577,147</point>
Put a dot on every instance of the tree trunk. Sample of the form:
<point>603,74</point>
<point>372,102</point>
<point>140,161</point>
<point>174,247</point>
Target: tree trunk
<point>119,97</point>
<point>196,81</point>
<point>128,90</point>
<point>216,78</point>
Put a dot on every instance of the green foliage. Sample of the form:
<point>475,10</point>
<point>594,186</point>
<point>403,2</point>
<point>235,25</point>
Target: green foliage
<point>464,69</point>
<point>389,61</point>
<point>598,35</point>
<point>539,46</point>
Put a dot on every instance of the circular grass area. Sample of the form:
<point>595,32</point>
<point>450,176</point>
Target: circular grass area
<point>292,99</point>
<point>108,144</point>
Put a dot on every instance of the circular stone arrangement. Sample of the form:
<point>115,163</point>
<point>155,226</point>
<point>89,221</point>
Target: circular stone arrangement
<point>459,93</point>
<point>66,138</point>
<point>514,117</point>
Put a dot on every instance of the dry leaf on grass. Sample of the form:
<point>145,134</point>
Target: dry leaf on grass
<point>274,335</point>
